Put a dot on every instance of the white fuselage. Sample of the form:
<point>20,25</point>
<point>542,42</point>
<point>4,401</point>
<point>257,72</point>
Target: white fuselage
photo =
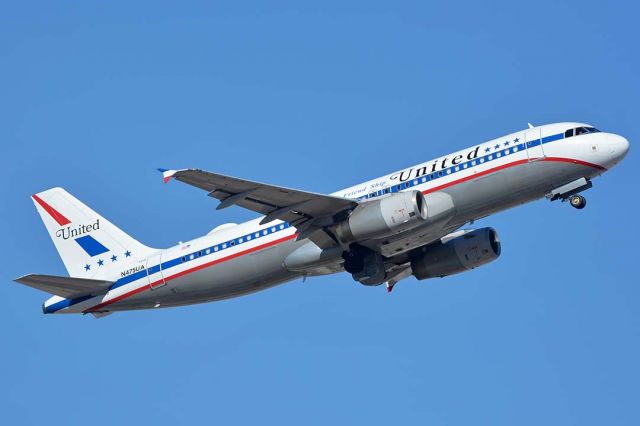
<point>248,257</point>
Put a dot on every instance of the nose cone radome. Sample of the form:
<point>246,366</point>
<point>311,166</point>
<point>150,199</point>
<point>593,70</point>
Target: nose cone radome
<point>618,147</point>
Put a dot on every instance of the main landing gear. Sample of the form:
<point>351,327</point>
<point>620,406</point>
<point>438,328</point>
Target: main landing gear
<point>577,201</point>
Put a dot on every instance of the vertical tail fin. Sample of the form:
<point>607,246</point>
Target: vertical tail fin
<point>89,245</point>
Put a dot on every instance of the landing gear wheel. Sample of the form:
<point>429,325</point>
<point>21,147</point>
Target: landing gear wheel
<point>578,201</point>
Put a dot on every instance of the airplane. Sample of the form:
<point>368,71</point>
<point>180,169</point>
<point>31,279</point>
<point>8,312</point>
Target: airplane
<point>407,223</point>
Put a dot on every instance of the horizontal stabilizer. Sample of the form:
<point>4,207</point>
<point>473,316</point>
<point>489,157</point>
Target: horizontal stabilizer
<point>65,286</point>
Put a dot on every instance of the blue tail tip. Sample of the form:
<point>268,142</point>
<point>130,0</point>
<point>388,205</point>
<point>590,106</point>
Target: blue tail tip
<point>161,170</point>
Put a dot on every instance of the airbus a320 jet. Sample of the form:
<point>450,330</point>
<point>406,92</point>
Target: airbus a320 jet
<point>407,223</point>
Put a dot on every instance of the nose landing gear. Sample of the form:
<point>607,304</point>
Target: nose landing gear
<point>577,201</point>
<point>569,192</point>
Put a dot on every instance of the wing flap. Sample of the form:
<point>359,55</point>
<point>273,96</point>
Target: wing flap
<point>65,286</point>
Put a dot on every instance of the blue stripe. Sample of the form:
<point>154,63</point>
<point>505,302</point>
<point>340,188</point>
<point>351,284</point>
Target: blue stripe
<point>553,138</point>
<point>64,304</point>
<point>481,159</point>
<point>190,256</point>
<point>91,245</point>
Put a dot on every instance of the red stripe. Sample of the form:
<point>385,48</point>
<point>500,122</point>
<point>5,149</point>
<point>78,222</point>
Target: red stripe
<point>188,271</point>
<point>573,161</point>
<point>508,165</point>
<point>287,238</point>
<point>55,214</point>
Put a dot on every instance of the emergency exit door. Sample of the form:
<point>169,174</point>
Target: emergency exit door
<point>533,143</point>
<point>154,272</point>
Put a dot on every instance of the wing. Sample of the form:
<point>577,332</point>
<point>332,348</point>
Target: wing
<point>309,212</point>
<point>65,286</point>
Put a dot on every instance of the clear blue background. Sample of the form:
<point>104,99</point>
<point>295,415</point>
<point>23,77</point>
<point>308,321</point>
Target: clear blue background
<point>94,97</point>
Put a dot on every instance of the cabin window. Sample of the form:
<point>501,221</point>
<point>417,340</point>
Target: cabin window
<point>568,133</point>
<point>184,259</point>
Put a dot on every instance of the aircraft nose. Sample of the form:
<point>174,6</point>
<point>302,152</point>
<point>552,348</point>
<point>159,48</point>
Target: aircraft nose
<point>618,146</point>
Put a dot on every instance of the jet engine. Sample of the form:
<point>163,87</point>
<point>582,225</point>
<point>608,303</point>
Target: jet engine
<point>365,265</point>
<point>462,253</point>
<point>386,216</point>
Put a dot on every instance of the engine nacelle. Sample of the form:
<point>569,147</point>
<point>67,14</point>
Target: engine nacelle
<point>386,216</point>
<point>365,265</point>
<point>459,254</point>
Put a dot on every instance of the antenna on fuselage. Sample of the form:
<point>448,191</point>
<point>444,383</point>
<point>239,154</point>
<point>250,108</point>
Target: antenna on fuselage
<point>531,126</point>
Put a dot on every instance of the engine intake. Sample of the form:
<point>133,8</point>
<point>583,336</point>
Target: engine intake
<point>467,251</point>
<point>365,265</point>
<point>383,217</point>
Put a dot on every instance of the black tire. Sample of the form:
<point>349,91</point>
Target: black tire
<point>578,202</point>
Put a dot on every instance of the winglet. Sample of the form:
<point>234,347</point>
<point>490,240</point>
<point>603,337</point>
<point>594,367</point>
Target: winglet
<point>167,174</point>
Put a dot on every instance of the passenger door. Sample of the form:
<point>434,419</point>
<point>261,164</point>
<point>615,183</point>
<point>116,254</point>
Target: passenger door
<point>533,143</point>
<point>154,272</point>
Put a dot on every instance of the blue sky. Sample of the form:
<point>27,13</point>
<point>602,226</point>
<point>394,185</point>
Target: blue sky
<point>320,96</point>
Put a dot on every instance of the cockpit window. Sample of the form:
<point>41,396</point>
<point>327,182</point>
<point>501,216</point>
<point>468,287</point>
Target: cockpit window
<point>580,131</point>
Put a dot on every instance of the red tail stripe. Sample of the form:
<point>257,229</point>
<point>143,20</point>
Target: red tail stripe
<point>55,214</point>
